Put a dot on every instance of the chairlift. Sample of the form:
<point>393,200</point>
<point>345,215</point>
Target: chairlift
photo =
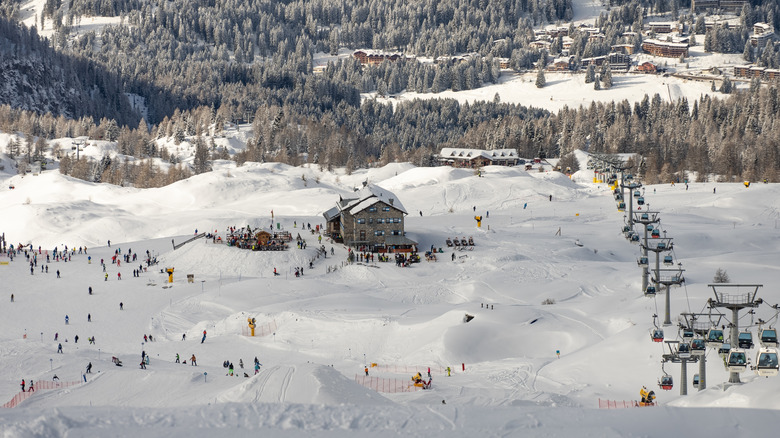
<point>646,217</point>
<point>635,237</point>
<point>698,347</point>
<point>696,381</point>
<point>714,338</point>
<point>768,338</point>
<point>723,350</point>
<point>737,361</point>
<point>666,382</point>
<point>684,350</point>
<point>650,227</point>
<point>640,200</point>
<point>661,245</point>
<point>618,196</point>
<point>637,194</point>
<point>657,335</point>
<point>642,261</point>
<point>687,334</point>
<point>656,233</point>
<point>650,291</point>
<point>621,206</point>
<point>745,340</point>
<point>766,362</point>
<point>668,260</point>
<point>626,229</point>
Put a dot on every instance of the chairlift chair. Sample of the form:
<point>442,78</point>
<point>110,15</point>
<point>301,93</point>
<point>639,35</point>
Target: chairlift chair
<point>657,335</point>
<point>635,237</point>
<point>745,340</point>
<point>642,261</point>
<point>737,361</point>
<point>687,334</point>
<point>621,206</point>
<point>766,362</point>
<point>667,383</point>
<point>650,291</point>
<point>768,338</point>
<point>723,350</point>
<point>640,200</point>
<point>626,229</point>
<point>661,245</point>
<point>696,381</point>
<point>646,217</point>
<point>650,227</point>
<point>714,338</point>
<point>684,350</point>
<point>698,347</point>
<point>668,260</point>
<point>656,233</point>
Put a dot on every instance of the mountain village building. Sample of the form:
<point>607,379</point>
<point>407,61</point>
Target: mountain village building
<point>372,220</point>
<point>473,158</point>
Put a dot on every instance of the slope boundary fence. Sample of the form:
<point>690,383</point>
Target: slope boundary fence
<point>39,385</point>
<point>179,245</point>
<point>260,330</point>
<point>618,404</point>
<point>380,384</point>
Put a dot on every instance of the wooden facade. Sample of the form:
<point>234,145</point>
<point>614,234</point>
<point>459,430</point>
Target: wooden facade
<point>474,158</point>
<point>372,221</point>
<point>665,49</point>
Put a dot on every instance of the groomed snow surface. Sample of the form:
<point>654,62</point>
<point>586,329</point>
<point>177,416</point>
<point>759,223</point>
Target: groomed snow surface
<point>318,331</point>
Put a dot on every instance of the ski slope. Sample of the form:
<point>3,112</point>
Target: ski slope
<point>326,326</point>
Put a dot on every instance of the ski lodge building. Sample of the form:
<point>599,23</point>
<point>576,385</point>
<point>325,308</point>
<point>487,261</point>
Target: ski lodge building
<point>474,158</point>
<point>372,220</point>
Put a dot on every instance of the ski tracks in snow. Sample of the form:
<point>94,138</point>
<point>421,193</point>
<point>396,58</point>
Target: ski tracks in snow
<point>271,387</point>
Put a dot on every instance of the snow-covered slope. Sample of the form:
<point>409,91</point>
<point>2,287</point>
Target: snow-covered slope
<point>317,332</point>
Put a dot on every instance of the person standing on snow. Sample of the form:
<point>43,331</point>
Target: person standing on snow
<point>192,361</point>
<point>23,385</point>
<point>204,337</point>
<point>89,368</point>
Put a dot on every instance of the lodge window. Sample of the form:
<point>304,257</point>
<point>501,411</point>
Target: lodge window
<point>385,208</point>
<point>370,220</point>
<point>380,220</point>
<point>361,221</point>
<point>396,232</point>
<point>396,220</point>
<point>372,209</point>
<point>379,233</point>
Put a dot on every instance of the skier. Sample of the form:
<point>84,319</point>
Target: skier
<point>90,290</point>
<point>66,319</point>
<point>204,337</point>
<point>32,388</point>
<point>59,348</point>
<point>366,370</point>
<point>58,273</point>
<point>12,298</point>
<point>192,361</point>
<point>146,339</point>
<point>89,367</point>
<point>241,363</point>
<point>230,368</point>
<point>106,278</point>
<point>121,306</point>
<point>257,367</point>
<point>183,336</point>
<point>22,385</point>
<point>177,357</point>
<point>143,365</point>
<point>89,317</point>
<point>76,339</point>
<point>118,275</point>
